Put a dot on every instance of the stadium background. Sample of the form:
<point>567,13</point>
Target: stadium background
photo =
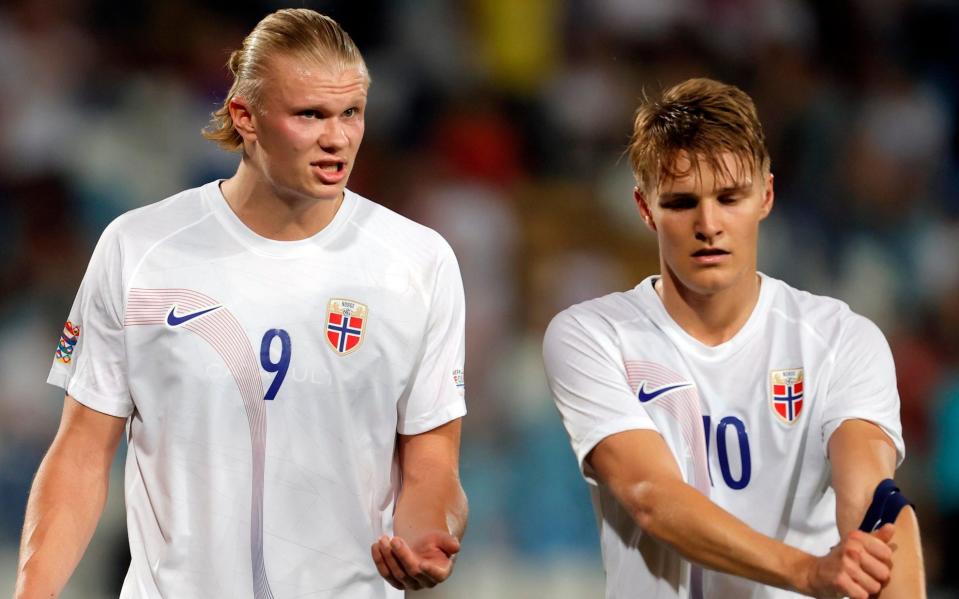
<point>502,124</point>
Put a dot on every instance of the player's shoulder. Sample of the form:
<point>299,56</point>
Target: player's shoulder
<point>397,234</point>
<point>606,316</point>
<point>826,316</point>
<point>147,224</point>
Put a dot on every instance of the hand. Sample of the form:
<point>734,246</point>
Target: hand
<point>858,567</point>
<point>424,564</point>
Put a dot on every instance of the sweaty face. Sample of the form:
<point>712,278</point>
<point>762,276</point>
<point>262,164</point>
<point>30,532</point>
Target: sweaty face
<point>308,127</point>
<point>707,223</point>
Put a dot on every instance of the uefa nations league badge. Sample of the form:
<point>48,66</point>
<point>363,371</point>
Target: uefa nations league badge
<point>68,342</point>
<point>786,398</point>
<point>345,325</point>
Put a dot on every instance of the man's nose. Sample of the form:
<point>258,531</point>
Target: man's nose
<point>708,225</point>
<point>332,135</point>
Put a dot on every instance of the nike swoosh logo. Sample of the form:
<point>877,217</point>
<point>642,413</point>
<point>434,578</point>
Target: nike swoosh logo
<point>645,396</point>
<point>173,320</point>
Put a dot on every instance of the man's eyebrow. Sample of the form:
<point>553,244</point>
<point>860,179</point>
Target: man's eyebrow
<point>743,187</point>
<point>669,196</point>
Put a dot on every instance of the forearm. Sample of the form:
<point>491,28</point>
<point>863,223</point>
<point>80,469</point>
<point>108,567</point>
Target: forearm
<point>908,573</point>
<point>431,504</point>
<point>65,503</point>
<point>430,515</point>
<point>700,531</point>
<point>908,579</point>
<point>862,455</point>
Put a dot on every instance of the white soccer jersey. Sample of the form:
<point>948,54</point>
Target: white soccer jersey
<point>265,383</point>
<point>748,420</point>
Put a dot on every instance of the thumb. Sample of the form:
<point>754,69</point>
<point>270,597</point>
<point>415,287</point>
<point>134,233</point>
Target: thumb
<point>885,533</point>
<point>449,544</point>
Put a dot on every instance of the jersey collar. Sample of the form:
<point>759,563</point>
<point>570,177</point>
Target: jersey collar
<point>689,344</point>
<point>271,247</point>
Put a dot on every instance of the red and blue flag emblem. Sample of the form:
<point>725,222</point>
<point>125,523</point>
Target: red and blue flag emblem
<point>345,325</point>
<point>787,394</point>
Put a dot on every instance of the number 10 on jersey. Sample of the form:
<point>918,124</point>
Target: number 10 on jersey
<point>723,449</point>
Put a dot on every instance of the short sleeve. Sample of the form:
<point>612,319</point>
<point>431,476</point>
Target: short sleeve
<point>90,359</point>
<point>587,378</point>
<point>436,395</point>
<point>863,384</point>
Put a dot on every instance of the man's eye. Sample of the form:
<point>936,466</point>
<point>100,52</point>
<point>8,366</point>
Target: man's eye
<point>728,199</point>
<point>350,112</point>
<point>310,114</point>
<point>680,204</point>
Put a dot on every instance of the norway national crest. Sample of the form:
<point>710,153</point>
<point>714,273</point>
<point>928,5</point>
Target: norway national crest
<point>787,393</point>
<point>345,324</point>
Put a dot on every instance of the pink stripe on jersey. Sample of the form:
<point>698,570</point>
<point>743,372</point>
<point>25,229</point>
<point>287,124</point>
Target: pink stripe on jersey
<point>682,405</point>
<point>224,333</point>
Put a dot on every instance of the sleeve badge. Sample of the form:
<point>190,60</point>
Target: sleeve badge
<point>67,343</point>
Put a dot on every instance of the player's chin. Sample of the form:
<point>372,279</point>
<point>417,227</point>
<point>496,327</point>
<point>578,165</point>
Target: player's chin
<point>709,280</point>
<point>323,191</point>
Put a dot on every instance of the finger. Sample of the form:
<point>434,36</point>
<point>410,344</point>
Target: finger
<point>410,562</point>
<point>885,533</point>
<point>438,569</point>
<point>396,570</point>
<point>877,548</point>
<point>876,569</point>
<point>381,566</point>
<point>449,544</point>
<point>856,549</point>
<point>852,561</point>
<point>870,585</point>
<point>849,587</point>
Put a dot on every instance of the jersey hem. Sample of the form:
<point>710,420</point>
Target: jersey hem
<point>592,439</point>
<point>432,421</point>
<point>833,425</point>
<point>112,406</point>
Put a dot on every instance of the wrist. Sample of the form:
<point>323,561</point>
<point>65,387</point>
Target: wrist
<point>800,571</point>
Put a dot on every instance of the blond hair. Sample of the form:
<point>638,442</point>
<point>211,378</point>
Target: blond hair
<point>703,118</point>
<point>297,32</point>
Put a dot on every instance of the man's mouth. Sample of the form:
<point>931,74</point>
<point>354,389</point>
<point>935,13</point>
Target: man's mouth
<point>328,167</point>
<point>709,252</point>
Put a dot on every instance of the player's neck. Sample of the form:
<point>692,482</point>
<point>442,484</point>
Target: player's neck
<point>714,318</point>
<point>268,214</point>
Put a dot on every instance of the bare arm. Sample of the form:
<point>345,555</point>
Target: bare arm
<point>431,511</point>
<point>862,455</point>
<point>667,508</point>
<point>66,500</point>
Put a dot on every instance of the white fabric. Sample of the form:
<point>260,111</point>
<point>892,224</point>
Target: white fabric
<point>602,355</point>
<point>229,494</point>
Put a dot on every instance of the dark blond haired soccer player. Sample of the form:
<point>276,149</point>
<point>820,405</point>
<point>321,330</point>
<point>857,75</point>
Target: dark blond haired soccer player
<point>285,356</point>
<point>718,414</point>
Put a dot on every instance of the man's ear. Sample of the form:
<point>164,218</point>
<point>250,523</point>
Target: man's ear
<point>769,197</point>
<point>242,115</point>
<point>644,211</point>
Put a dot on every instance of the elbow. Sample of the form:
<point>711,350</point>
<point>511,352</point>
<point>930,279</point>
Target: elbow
<point>851,508</point>
<point>644,500</point>
<point>458,517</point>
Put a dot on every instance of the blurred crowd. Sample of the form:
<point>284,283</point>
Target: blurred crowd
<point>503,125</point>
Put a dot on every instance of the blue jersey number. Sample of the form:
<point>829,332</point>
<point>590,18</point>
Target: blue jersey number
<point>722,449</point>
<point>279,367</point>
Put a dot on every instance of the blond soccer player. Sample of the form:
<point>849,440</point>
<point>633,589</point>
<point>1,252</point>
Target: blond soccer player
<point>733,430</point>
<point>283,356</point>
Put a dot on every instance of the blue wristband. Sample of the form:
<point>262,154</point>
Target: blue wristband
<point>887,502</point>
